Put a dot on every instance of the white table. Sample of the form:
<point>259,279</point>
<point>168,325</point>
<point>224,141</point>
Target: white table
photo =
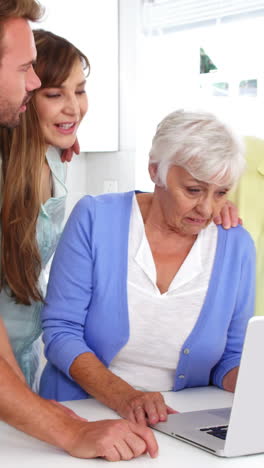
<point>20,450</point>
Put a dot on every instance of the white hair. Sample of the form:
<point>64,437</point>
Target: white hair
<point>199,143</point>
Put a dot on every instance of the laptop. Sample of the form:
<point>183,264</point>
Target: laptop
<point>236,431</point>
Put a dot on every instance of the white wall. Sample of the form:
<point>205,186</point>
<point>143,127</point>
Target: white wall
<point>87,172</point>
<point>92,26</point>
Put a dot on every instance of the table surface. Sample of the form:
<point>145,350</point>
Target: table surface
<point>18,449</point>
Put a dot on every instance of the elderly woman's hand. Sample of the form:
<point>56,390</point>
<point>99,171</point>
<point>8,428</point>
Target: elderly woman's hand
<point>144,407</point>
<point>134,405</point>
<point>228,216</point>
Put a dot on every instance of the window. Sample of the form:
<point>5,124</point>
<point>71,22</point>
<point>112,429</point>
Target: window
<point>228,80</point>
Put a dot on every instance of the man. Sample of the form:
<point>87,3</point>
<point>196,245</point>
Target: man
<point>17,78</point>
<point>19,406</point>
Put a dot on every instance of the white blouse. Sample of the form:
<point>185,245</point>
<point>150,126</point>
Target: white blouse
<point>160,323</point>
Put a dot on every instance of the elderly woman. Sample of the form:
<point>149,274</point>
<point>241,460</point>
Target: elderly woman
<point>146,294</point>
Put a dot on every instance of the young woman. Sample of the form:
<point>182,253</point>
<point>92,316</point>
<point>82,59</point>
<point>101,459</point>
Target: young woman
<point>33,191</point>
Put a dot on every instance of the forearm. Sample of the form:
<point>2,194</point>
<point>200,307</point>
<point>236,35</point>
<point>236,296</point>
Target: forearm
<point>26,411</point>
<point>229,380</point>
<point>6,351</point>
<point>89,372</point>
<point>131,404</point>
<point>112,440</point>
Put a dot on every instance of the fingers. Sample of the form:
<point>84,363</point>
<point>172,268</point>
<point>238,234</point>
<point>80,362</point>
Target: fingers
<point>76,147</point>
<point>144,408</point>
<point>136,444</point>
<point>66,155</point>
<point>147,435</point>
<point>139,415</point>
<point>111,439</point>
<point>63,156</point>
<point>233,213</point>
<point>162,411</point>
<point>127,449</point>
<point>155,411</point>
<point>119,451</point>
<point>171,410</point>
<point>225,217</point>
<point>149,408</point>
<point>111,454</point>
<point>228,216</point>
<point>217,219</point>
<point>123,440</point>
<point>131,447</point>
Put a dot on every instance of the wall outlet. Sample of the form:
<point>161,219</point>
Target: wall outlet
<point>110,186</point>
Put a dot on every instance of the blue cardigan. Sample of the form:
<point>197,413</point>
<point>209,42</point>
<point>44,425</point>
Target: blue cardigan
<point>87,308</point>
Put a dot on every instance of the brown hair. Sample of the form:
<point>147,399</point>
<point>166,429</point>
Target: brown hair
<point>28,9</point>
<point>23,156</point>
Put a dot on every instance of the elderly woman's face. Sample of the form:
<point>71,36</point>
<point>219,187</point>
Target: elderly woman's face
<point>189,205</point>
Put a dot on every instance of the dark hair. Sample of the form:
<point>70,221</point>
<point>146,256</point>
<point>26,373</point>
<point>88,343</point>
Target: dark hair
<point>55,58</point>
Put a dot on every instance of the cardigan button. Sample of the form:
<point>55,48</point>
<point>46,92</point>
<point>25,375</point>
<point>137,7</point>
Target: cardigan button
<point>186,351</point>
<point>181,376</point>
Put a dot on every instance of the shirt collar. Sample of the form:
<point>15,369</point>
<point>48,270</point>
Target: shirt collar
<point>190,268</point>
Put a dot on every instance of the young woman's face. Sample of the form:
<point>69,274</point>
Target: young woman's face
<point>61,110</point>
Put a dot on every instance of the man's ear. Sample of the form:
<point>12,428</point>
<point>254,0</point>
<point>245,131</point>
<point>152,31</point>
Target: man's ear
<point>153,169</point>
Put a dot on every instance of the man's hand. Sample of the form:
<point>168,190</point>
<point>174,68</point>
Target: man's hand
<point>228,216</point>
<point>113,440</point>
<point>59,426</point>
<point>67,154</point>
<point>144,407</point>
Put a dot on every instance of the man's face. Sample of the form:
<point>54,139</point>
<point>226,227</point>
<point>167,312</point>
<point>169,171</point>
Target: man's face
<point>17,76</point>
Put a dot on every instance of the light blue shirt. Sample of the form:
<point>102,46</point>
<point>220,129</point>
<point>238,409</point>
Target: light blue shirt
<point>87,311</point>
<point>23,322</point>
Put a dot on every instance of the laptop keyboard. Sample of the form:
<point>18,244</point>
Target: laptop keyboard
<point>218,431</point>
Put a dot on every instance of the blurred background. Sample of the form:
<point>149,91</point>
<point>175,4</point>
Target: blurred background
<point>150,57</point>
